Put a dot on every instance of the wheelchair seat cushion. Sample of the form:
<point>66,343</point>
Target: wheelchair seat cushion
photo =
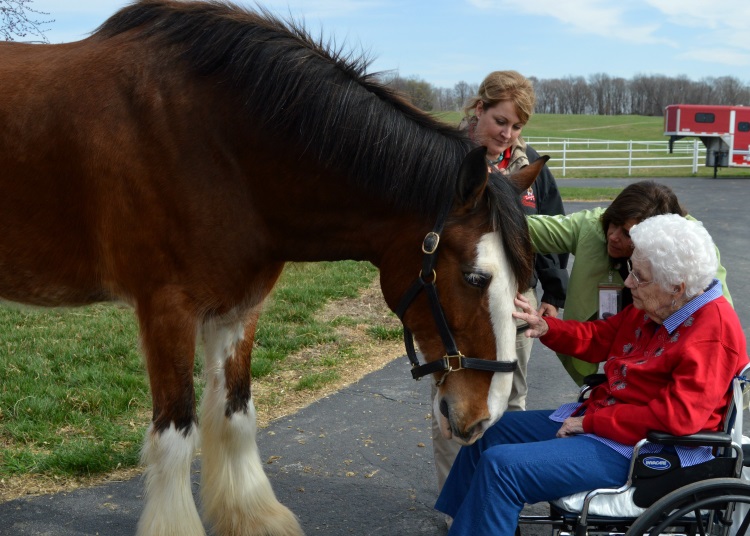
<point>649,486</point>
<point>618,505</point>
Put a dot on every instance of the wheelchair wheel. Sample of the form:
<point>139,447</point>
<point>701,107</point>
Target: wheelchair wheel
<point>706,500</point>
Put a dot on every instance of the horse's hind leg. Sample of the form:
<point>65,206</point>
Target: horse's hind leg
<point>236,495</point>
<point>168,331</point>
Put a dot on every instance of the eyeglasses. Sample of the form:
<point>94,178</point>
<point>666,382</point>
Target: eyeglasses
<point>638,282</point>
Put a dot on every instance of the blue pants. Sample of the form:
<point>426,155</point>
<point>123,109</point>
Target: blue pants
<point>520,461</point>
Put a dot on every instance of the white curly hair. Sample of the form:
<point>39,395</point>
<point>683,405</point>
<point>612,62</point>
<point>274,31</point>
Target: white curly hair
<point>678,250</point>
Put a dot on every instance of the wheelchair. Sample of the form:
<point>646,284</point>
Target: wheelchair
<point>660,496</point>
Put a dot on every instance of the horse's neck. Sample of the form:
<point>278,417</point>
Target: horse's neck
<point>338,224</point>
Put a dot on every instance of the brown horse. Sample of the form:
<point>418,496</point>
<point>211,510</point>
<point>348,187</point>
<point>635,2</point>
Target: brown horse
<point>178,157</point>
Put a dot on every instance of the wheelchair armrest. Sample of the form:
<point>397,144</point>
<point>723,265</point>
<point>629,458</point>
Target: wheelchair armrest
<point>589,382</point>
<point>592,380</point>
<point>709,439</point>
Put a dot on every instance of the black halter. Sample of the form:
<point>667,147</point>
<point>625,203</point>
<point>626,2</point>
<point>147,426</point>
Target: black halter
<point>453,360</point>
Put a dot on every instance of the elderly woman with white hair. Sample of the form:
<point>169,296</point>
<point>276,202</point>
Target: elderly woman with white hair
<point>669,360</point>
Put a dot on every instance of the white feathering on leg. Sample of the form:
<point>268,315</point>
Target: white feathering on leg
<point>170,509</point>
<point>236,494</point>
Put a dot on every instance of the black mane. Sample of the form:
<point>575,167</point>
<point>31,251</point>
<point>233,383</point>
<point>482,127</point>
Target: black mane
<point>508,215</point>
<point>311,92</point>
<point>307,90</point>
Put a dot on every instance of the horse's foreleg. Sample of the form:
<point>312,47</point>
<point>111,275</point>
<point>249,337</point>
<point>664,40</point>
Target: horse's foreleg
<point>168,337</point>
<point>236,495</point>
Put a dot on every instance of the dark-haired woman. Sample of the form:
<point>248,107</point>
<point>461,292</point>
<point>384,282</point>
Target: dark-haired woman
<point>600,241</point>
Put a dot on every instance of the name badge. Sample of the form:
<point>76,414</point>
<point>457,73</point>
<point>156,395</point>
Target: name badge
<point>610,300</point>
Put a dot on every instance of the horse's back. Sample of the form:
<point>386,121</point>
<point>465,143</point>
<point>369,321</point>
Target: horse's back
<point>118,178</point>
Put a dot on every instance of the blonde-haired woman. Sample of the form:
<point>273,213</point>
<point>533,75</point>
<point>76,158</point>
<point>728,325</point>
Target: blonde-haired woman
<point>495,116</point>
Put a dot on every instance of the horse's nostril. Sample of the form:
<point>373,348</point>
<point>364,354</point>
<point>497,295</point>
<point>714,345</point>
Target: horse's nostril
<point>444,408</point>
<point>476,431</point>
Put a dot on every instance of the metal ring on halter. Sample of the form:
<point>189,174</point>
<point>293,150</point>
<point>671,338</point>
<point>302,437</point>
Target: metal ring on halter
<point>431,281</point>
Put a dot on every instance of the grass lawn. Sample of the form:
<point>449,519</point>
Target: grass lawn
<point>74,396</point>
<point>610,127</point>
<point>570,193</point>
<point>615,127</point>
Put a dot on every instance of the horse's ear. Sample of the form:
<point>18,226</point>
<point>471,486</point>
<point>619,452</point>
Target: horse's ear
<point>525,177</point>
<point>472,179</point>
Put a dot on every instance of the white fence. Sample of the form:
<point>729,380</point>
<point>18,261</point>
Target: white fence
<point>581,154</point>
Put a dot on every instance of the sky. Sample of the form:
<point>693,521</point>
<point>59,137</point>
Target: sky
<point>447,41</point>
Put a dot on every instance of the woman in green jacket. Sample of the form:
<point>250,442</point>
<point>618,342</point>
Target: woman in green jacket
<point>600,241</point>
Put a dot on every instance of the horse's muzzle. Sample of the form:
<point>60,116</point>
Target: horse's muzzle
<point>450,428</point>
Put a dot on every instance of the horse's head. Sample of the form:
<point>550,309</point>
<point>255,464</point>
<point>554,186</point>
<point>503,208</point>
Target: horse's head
<point>459,307</point>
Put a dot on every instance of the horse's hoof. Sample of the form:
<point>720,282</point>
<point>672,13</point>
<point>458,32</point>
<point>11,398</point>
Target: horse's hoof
<point>274,520</point>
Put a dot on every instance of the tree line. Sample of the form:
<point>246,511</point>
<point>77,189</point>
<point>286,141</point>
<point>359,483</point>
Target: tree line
<point>599,94</point>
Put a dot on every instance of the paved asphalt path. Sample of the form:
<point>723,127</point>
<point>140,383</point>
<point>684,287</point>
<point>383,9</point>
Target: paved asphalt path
<point>360,461</point>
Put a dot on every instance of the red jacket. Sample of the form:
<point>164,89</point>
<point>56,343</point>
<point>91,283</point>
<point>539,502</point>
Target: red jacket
<point>676,383</point>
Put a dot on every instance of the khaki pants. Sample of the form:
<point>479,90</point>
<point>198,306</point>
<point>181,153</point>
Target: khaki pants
<point>446,450</point>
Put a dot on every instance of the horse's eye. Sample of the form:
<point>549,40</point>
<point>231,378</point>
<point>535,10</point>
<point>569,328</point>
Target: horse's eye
<point>476,279</point>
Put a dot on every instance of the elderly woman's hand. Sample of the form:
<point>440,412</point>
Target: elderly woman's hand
<point>570,427</point>
<point>537,326</point>
<point>547,309</point>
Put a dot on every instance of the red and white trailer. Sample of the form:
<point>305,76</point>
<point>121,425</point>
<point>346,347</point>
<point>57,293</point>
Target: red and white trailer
<point>724,130</point>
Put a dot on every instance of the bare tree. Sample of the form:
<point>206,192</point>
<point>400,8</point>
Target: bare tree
<point>545,98</point>
<point>18,19</point>
<point>445,100</point>
<point>730,91</point>
<point>647,95</point>
<point>557,96</point>
<point>620,94</point>
<point>700,93</point>
<point>579,95</point>
<point>441,99</point>
<point>462,92</point>
<point>678,88</point>
<point>599,84</point>
<point>609,96</point>
<point>418,91</point>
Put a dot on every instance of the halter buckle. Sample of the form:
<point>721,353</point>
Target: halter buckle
<point>449,368</point>
<point>430,243</point>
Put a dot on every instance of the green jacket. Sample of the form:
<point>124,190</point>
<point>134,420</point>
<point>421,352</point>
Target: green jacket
<point>582,235</point>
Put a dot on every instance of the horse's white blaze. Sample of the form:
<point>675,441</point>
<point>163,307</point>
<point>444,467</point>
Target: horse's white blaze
<point>236,495</point>
<point>170,509</point>
<point>491,258</point>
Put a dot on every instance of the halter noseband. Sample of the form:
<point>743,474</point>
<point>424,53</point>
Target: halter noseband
<point>453,360</point>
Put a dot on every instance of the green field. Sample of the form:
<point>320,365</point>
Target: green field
<point>616,127</point>
<point>609,127</point>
